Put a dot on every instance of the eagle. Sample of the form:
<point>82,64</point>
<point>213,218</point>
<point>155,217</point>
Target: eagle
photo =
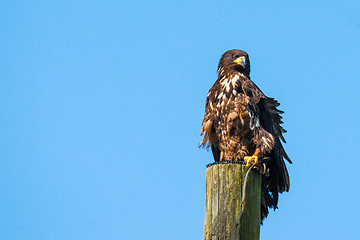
<point>242,123</point>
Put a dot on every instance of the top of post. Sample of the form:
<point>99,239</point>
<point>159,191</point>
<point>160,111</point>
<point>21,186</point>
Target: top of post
<point>242,162</point>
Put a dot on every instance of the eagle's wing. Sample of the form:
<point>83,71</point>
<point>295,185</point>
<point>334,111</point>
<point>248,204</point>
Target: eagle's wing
<point>272,105</point>
<point>208,127</point>
<point>266,109</point>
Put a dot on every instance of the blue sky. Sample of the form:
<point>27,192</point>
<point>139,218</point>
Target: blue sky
<point>101,104</point>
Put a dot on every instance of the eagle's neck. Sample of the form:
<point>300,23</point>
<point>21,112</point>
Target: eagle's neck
<point>232,82</point>
<point>229,71</point>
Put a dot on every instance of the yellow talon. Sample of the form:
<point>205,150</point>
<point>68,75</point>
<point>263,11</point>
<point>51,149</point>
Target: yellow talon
<point>251,160</point>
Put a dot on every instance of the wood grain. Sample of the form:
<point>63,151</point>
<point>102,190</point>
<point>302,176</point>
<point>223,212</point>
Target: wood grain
<point>224,217</point>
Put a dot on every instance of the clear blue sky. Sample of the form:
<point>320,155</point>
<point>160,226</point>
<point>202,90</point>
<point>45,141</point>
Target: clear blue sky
<point>101,105</point>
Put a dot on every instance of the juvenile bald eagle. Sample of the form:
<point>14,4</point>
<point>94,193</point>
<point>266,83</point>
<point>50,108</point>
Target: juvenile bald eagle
<point>240,121</point>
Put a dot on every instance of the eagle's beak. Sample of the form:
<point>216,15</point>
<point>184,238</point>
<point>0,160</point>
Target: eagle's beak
<point>241,61</point>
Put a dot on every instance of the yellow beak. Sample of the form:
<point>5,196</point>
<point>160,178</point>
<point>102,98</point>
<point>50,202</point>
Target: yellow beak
<point>241,61</point>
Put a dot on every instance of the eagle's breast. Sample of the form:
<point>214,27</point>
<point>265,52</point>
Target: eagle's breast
<point>231,125</point>
<point>227,89</point>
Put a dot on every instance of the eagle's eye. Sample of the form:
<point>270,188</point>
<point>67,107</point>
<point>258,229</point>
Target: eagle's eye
<point>235,56</point>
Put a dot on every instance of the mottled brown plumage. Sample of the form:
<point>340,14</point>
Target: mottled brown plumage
<point>239,118</point>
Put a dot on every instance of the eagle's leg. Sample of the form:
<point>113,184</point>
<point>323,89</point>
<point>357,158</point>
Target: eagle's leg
<point>257,151</point>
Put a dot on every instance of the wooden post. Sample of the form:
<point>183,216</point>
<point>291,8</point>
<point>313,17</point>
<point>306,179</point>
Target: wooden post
<point>225,218</point>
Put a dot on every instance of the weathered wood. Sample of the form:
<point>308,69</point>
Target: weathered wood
<point>225,218</point>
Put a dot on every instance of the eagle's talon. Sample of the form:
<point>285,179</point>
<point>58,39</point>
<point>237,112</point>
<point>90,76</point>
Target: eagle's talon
<point>263,169</point>
<point>258,163</point>
<point>251,160</point>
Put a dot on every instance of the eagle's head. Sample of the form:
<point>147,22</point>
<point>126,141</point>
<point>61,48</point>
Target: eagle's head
<point>235,60</point>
